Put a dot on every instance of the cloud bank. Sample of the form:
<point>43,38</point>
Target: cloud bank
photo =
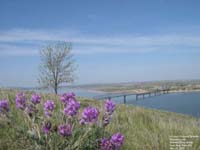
<point>22,42</point>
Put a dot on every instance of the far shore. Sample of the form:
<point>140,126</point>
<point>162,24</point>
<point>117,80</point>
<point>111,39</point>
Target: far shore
<point>142,91</point>
<point>184,91</point>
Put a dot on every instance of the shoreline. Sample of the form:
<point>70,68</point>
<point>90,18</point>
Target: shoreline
<point>184,91</point>
<point>143,91</point>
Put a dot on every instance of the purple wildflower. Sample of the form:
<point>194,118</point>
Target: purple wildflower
<point>89,115</point>
<point>20,100</point>
<point>72,108</point>
<point>35,99</point>
<point>109,106</point>
<point>117,139</point>
<point>4,106</point>
<point>49,107</point>
<point>106,144</point>
<point>46,127</point>
<point>66,97</point>
<point>65,130</point>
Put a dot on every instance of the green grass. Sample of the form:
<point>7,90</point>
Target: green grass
<point>144,129</point>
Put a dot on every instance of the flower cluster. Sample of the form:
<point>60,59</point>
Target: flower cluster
<point>106,144</point>
<point>4,106</point>
<point>114,143</point>
<point>109,108</point>
<point>21,100</point>
<point>117,139</point>
<point>65,130</point>
<point>89,115</point>
<point>72,108</point>
<point>35,99</point>
<point>70,103</point>
<point>66,97</point>
<point>30,109</point>
<point>88,118</point>
<point>48,108</point>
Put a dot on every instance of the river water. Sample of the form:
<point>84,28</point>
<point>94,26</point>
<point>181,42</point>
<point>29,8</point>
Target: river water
<point>185,103</point>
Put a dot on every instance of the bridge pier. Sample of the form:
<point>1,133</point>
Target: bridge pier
<point>168,91</point>
<point>149,94</point>
<point>136,97</point>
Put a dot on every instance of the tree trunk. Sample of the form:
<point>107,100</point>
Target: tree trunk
<point>56,88</point>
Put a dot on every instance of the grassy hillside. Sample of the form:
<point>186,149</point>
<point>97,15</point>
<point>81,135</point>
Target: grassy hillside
<point>144,129</point>
<point>139,87</point>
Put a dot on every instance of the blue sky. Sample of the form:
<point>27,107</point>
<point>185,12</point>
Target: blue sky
<point>113,40</point>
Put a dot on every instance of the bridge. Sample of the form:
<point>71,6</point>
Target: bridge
<point>137,95</point>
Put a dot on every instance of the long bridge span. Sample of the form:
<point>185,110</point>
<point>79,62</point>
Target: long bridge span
<point>138,96</point>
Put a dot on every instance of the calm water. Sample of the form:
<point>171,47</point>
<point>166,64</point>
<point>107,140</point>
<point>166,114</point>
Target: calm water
<point>185,103</point>
<point>78,92</point>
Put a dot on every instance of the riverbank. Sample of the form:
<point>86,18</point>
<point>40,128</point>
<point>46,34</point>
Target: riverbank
<point>138,91</point>
<point>184,91</point>
<point>142,87</point>
<point>143,128</point>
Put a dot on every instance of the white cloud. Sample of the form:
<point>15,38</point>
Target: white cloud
<point>13,50</point>
<point>18,35</point>
<point>87,44</point>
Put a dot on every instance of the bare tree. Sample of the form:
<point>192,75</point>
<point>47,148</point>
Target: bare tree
<point>57,65</point>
